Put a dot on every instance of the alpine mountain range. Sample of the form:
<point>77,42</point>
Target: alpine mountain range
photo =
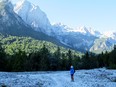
<point>31,21</point>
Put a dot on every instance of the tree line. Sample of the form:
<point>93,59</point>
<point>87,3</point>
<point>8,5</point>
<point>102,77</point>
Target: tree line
<point>105,59</point>
<point>44,60</point>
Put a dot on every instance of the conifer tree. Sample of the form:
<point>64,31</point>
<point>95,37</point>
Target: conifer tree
<point>112,59</point>
<point>19,61</point>
<point>57,55</point>
<point>64,61</point>
<point>69,55</point>
<point>45,56</point>
<point>2,59</point>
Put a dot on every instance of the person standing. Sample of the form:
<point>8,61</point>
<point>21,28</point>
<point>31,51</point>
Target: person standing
<point>72,71</point>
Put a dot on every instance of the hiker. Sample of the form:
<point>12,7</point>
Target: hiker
<point>72,71</point>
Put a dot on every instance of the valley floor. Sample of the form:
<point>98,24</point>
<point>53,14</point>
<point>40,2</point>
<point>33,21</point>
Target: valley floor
<point>83,78</point>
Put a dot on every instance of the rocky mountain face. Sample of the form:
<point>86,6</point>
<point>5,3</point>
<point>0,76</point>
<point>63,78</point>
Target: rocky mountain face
<point>82,39</point>
<point>103,43</point>
<point>9,21</point>
<point>13,24</point>
<point>33,16</point>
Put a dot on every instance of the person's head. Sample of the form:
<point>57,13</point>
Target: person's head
<point>71,66</point>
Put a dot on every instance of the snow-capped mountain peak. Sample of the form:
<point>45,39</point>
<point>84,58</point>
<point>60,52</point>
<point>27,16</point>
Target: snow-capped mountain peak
<point>108,34</point>
<point>33,16</point>
<point>87,31</point>
<point>62,26</point>
<point>25,5</point>
<point>20,4</point>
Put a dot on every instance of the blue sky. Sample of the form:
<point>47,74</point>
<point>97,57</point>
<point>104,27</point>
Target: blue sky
<point>98,14</point>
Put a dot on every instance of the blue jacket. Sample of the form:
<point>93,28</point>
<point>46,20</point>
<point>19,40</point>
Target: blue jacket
<point>72,71</point>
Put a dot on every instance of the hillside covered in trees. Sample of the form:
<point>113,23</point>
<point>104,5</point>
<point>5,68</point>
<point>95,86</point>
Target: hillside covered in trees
<point>28,54</point>
<point>12,44</point>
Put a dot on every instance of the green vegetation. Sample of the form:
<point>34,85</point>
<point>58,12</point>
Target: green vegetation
<point>107,59</point>
<point>27,54</point>
<point>12,44</point>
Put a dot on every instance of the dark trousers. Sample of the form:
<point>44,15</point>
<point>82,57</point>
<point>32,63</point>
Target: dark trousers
<point>72,77</point>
